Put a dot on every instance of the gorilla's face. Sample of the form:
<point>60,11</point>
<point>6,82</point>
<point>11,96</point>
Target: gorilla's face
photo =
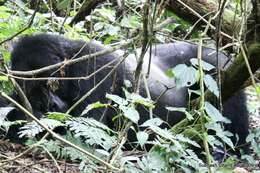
<point>30,54</point>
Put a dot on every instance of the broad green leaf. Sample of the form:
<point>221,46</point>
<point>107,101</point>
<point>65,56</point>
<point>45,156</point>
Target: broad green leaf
<point>136,98</point>
<point>107,13</point>
<point>206,66</point>
<point>130,21</point>
<point>142,138</point>
<point>220,133</point>
<point>110,39</point>
<point>183,110</point>
<point>92,106</point>
<point>32,129</point>
<point>3,78</point>
<point>153,122</point>
<point>112,30</point>
<point>115,98</point>
<point>214,114</point>
<point>58,116</point>
<point>99,26</point>
<point>211,84</point>
<point>184,76</point>
<point>130,113</point>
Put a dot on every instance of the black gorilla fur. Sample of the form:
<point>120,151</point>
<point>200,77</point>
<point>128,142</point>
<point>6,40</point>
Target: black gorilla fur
<point>33,52</point>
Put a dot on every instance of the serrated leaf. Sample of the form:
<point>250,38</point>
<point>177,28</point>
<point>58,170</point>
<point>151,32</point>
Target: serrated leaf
<point>214,114</point>
<point>32,129</point>
<point>93,134</point>
<point>211,84</point>
<point>130,21</point>
<point>163,133</point>
<point>115,98</point>
<point>92,106</point>
<point>180,109</point>
<point>130,113</point>
<point>112,30</point>
<point>142,138</point>
<point>58,116</point>
<point>136,98</point>
<point>184,139</point>
<point>220,133</point>
<point>107,13</point>
<point>152,122</point>
<point>184,76</point>
<point>206,66</point>
<point>99,26</point>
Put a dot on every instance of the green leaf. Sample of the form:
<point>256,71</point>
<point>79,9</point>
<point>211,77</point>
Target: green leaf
<point>92,106</point>
<point>163,133</point>
<point>153,122</point>
<point>184,76</point>
<point>112,30</point>
<point>107,14</point>
<point>119,100</point>
<point>99,26</point>
<point>110,39</point>
<point>130,22</point>
<point>169,73</point>
<point>4,78</point>
<point>142,138</point>
<point>136,98</point>
<point>130,113</point>
<point>94,132</point>
<point>62,5</point>
<point>214,114</point>
<point>258,90</point>
<point>211,84</point>
<point>184,139</point>
<point>32,129</point>
<point>183,110</point>
<point>220,133</point>
<point>206,66</point>
<point>58,116</point>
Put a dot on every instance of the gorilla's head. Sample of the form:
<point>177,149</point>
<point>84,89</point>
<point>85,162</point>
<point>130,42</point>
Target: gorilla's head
<point>31,53</point>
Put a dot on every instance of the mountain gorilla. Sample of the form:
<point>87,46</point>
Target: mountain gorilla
<point>34,52</point>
